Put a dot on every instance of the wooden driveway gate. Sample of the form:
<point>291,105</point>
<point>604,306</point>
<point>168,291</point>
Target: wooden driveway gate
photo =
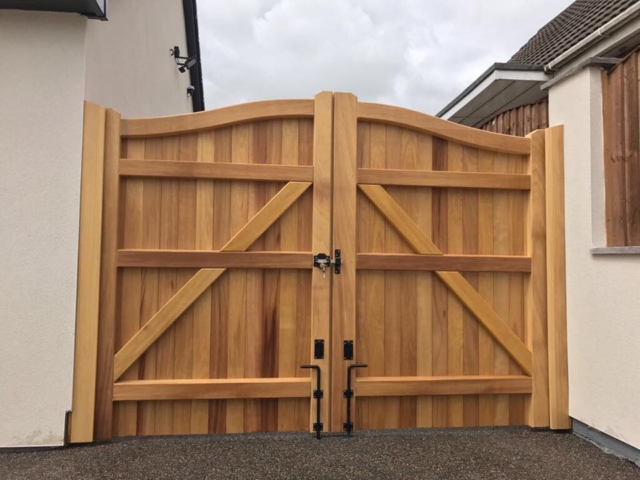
<point>198,299</point>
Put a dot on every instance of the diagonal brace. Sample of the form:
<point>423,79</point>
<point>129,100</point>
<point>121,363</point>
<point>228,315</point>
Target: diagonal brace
<point>204,278</point>
<point>469,297</point>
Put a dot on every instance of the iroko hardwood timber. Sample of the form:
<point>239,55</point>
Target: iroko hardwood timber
<point>211,259</point>
<point>450,385</point>
<point>209,389</point>
<point>465,263</point>
<point>222,117</point>
<point>461,134</point>
<point>556,281</point>
<point>88,299</point>
<point>221,171</point>
<point>421,178</point>
<point>454,280</point>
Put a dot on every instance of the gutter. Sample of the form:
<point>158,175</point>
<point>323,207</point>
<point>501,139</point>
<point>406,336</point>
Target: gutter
<point>586,42</point>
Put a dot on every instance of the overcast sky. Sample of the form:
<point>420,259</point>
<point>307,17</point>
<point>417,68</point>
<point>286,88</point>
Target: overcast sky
<point>414,53</point>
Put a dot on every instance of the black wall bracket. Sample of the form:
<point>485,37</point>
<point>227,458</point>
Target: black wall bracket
<point>318,394</point>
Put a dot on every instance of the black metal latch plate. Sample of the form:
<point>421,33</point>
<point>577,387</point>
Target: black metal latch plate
<point>348,350</point>
<point>318,349</point>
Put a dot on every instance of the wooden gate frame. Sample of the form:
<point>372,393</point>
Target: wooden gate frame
<point>544,355</point>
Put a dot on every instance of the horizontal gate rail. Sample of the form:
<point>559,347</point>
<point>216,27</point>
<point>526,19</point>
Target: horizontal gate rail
<point>222,117</point>
<point>423,178</point>
<point>211,259</point>
<point>221,171</point>
<point>450,385</point>
<point>210,389</point>
<point>453,263</point>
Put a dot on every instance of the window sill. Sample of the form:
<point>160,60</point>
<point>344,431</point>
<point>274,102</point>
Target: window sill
<point>615,250</point>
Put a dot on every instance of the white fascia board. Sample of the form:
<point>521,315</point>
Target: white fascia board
<point>494,77</point>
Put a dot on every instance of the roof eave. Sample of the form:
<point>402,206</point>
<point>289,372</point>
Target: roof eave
<point>502,87</point>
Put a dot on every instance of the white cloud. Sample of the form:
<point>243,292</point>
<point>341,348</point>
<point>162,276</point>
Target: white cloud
<point>415,53</point>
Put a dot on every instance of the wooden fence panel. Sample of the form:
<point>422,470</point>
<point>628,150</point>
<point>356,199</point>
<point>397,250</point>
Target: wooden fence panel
<point>621,112</point>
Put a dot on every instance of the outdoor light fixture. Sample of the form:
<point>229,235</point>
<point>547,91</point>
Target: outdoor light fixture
<point>184,63</point>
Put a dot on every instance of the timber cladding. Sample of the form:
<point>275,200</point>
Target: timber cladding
<point>207,301</point>
<point>621,115</point>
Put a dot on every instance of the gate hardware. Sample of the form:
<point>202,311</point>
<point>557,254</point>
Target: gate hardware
<point>318,349</point>
<point>348,394</point>
<point>348,350</point>
<point>324,261</point>
<point>317,394</point>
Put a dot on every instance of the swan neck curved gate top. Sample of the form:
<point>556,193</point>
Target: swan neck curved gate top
<point>207,302</point>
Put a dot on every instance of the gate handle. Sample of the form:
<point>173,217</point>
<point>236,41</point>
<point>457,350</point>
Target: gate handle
<point>348,394</point>
<point>317,394</point>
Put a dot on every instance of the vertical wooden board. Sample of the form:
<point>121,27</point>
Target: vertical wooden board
<point>287,304</point>
<point>89,273</point>
<point>393,285</point>
<point>108,280</point>
<point>239,200</point>
<point>440,217</point>
<point>470,358</point>
<point>424,286</point>
<point>632,149</point>
<point>167,281</point>
<point>363,236</point>
<point>556,281</point>
<point>501,246</point>
<point>515,320</point>
<point>201,352</point>
<point>485,287</point>
<point>303,351</point>
<point>455,332</point>
<point>151,239</point>
<point>131,283</point>
<point>344,236</point>
<point>255,319</point>
<point>408,321</point>
<point>614,168</point>
<point>374,281</point>
<point>183,358</point>
<point>130,303</point>
<point>537,405</point>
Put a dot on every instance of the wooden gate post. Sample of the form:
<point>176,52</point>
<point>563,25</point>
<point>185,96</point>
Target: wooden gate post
<point>537,406</point>
<point>88,290</point>
<point>556,280</point>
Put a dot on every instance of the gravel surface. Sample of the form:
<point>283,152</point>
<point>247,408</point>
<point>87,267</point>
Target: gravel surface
<point>481,453</point>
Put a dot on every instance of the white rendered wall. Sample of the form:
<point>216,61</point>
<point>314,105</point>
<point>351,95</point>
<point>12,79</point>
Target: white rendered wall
<point>41,103</point>
<point>603,291</point>
<point>128,64</point>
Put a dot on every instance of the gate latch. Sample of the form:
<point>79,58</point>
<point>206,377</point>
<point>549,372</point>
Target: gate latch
<point>324,261</point>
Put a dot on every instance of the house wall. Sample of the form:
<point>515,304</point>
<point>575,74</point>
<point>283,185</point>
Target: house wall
<point>41,104</point>
<point>603,305</point>
<point>128,66</point>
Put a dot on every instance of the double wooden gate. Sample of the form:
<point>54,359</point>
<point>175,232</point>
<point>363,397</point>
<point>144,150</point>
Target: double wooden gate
<point>198,299</point>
